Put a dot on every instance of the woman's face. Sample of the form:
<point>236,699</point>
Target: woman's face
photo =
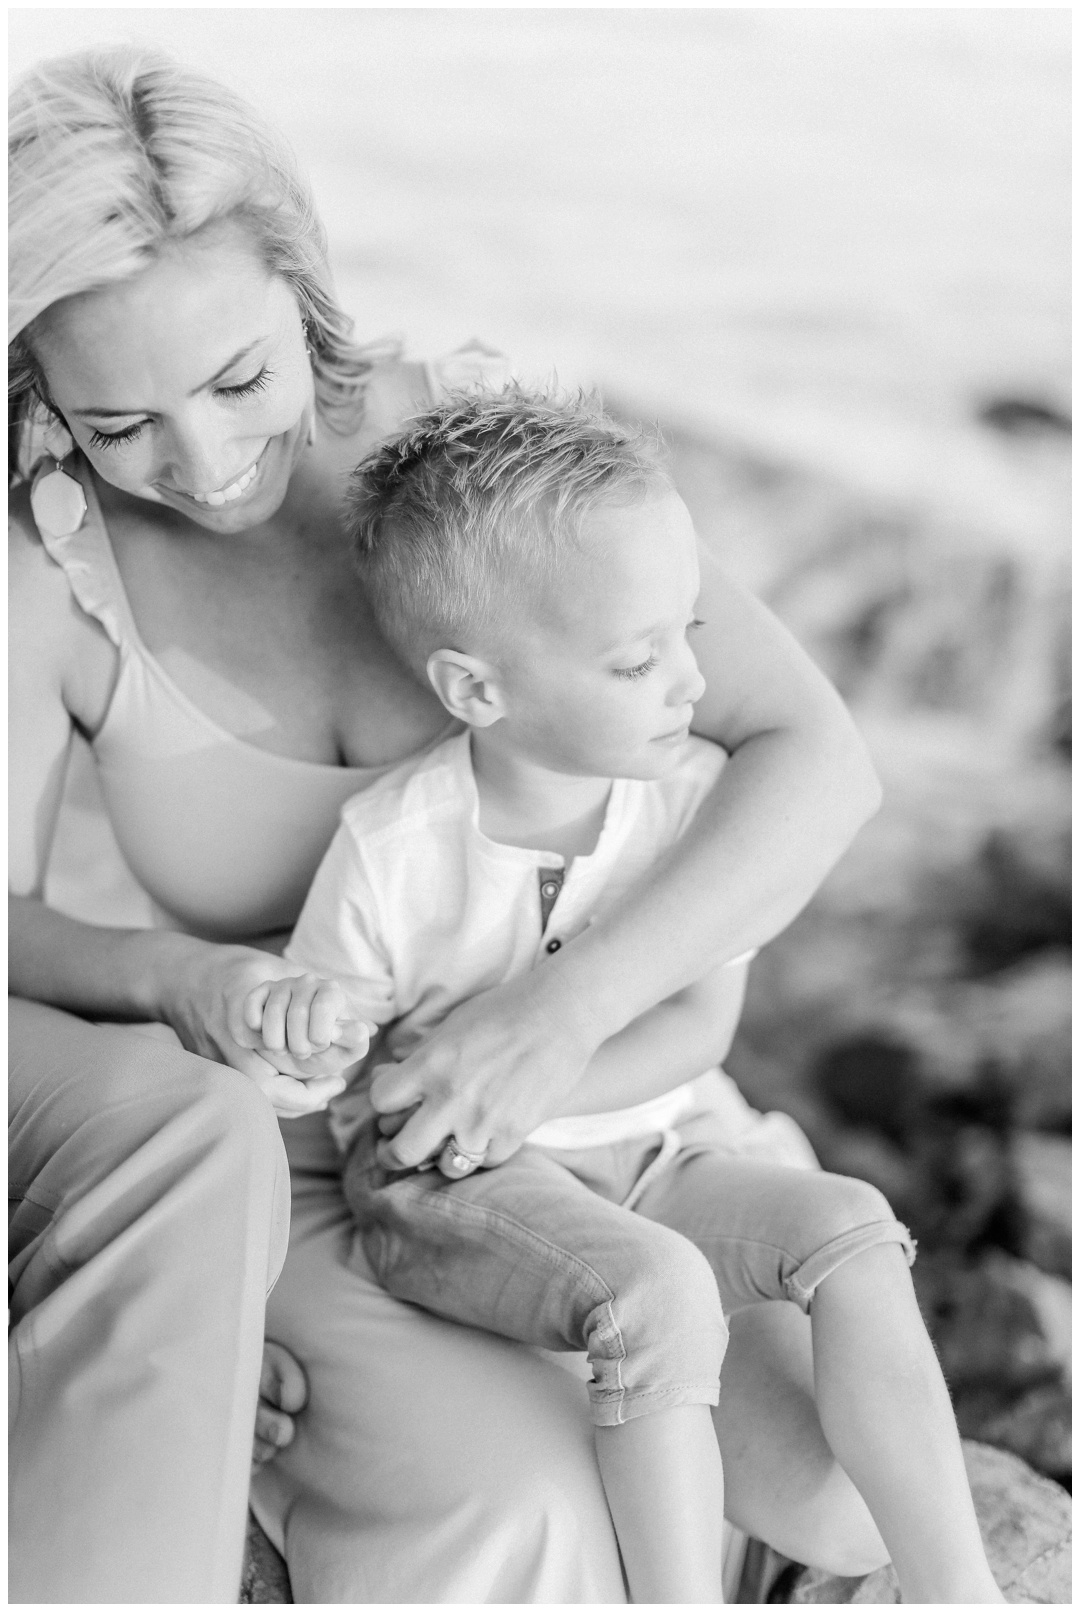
<point>190,385</point>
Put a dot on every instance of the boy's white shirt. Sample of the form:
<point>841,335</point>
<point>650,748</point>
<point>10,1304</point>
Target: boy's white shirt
<point>426,911</point>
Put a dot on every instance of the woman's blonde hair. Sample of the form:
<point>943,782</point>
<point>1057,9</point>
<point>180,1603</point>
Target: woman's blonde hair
<point>113,154</point>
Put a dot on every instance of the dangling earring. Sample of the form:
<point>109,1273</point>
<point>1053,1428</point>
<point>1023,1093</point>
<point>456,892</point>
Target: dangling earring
<point>312,432</point>
<point>57,499</point>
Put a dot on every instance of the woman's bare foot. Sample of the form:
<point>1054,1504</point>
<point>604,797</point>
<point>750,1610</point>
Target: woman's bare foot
<point>283,1392</point>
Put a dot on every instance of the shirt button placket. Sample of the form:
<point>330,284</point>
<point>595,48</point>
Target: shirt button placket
<point>551,882</point>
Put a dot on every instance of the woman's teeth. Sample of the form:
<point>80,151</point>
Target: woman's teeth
<point>227,494</point>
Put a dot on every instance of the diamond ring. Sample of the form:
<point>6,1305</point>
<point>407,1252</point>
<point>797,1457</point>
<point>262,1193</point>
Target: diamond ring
<point>457,1160</point>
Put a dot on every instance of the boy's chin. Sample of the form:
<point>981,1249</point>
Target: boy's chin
<point>655,763</point>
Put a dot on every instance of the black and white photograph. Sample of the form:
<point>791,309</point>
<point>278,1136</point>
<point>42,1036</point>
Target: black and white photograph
<point>540,736</point>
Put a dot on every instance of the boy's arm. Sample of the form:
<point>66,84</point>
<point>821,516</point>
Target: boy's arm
<point>672,1042</point>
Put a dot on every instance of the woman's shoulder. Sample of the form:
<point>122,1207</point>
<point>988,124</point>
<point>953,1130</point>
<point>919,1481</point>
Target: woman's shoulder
<point>398,388</point>
<point>33,575</point>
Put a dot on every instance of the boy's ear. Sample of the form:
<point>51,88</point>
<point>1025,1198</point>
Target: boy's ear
<point>466,686</point>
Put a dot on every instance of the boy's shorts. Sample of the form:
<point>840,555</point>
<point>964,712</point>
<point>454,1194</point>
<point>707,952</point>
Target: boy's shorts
<point>544,1250</point>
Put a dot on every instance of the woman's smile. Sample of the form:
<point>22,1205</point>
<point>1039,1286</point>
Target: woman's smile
<point>234,490</point>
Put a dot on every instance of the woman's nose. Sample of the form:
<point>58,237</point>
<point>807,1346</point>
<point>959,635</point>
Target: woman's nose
<point>198,455</point>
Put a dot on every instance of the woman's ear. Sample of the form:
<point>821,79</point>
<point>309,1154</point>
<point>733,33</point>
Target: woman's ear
<point>466,686</point>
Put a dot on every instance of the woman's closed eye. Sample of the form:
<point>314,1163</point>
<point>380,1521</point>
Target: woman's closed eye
<point>115,439</point>
<point>257,383</point>
<point>131,433</point>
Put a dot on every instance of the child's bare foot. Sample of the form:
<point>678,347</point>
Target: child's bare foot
<point>283,1392</point>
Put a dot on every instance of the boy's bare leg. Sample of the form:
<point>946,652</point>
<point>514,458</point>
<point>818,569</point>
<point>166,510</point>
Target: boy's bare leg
<point>885,1411</point>
<point>665,1489</point>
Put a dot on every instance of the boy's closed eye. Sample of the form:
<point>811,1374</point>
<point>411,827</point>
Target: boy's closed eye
<point>653,660</point>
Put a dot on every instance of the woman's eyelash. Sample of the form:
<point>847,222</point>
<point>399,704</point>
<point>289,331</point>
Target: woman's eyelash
<point>636,671</point>
<point>114,439</point>
<point>695,621</point>
<point>245,389</point>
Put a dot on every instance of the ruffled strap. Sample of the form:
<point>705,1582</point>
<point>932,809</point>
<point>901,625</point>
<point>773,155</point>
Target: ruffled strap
<point>473,367</point>
<point>87,560</point>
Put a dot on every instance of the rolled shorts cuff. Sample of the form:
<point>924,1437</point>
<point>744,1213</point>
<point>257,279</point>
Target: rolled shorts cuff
<point>610,1407</point>
<point>801,1286</point>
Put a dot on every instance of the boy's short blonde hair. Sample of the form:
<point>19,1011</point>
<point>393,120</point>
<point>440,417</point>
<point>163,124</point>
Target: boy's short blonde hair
<point>455,521</point>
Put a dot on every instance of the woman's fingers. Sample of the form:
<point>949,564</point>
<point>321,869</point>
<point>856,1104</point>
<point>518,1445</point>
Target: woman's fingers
<point>293,1098</point>
<point>282,1381</point>
<point>391,1089</point>
<point>255,1068</point>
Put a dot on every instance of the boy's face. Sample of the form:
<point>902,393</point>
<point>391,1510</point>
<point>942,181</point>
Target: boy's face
<point>602,681</point>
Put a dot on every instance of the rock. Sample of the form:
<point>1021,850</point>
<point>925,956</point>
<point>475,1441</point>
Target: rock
<point>1026,1523</point>
<point>873,1081</point>
<point>1002,1328</point>
<point>1021,880</point>
<point>1037,1426</point>
<point>987,1322</point>
<point>265,1579</point>
<point>1025,417</point>
<point>1043,1171</point>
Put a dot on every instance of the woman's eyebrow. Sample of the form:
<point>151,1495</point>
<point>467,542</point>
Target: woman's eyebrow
<point>120,414</point>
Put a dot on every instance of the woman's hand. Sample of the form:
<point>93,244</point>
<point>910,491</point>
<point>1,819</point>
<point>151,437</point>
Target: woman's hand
<point>203,999</point>
<point>283,1393</point>
<point>493,1070</point>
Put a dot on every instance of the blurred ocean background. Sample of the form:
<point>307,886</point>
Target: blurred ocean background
<point>829,251</point>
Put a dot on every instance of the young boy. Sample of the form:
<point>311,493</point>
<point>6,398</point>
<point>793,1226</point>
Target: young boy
<point>531,559</point>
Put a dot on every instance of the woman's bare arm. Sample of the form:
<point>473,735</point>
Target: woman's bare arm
<point>798,786</point>
<point>62,671</point>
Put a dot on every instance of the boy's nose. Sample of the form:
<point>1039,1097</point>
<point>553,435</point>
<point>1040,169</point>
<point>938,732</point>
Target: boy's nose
<point>688,688</point>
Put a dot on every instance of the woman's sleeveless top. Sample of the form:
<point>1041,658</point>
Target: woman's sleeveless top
<point>167,819</point>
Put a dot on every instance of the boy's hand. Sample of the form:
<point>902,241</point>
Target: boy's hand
<point>307,1026</point>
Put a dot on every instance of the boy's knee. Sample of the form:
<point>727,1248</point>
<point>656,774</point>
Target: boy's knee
<point>674,1328</point>
<point>844,1204</point>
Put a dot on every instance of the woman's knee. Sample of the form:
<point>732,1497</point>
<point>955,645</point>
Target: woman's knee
<point>236,1127</point>
<point>232,1109</point>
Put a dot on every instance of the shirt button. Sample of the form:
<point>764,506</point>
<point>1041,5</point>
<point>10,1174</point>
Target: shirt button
<point>548,890</point>
<point>553,945</point>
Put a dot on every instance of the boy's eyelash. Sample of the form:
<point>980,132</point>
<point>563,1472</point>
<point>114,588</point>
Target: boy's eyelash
<point>114,439</point>
<point>635,671</point>
<point>695,621</point>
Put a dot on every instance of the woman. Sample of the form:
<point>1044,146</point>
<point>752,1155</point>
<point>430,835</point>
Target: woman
<point>197,688</point>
